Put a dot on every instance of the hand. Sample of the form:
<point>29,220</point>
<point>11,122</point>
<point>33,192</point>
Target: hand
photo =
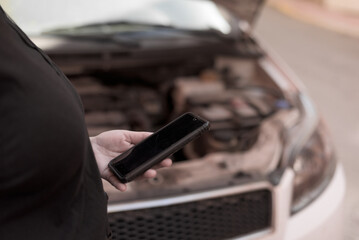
<point>109,145</point>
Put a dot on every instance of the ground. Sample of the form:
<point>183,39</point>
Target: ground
<point>328,64</point>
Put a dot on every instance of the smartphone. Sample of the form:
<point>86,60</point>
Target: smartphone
<point>155,148</point>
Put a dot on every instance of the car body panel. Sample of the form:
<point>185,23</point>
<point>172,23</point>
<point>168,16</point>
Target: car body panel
<point>245,10</point>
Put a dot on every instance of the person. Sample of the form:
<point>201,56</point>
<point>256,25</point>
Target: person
<point>50,177</point>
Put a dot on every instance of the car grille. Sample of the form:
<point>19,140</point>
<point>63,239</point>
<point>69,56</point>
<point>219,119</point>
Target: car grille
<point>209,219</point>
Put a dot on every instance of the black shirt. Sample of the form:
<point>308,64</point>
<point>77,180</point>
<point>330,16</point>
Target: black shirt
<point>50,187</point>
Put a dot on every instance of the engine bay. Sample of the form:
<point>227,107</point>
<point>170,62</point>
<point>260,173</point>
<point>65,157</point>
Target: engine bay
<point>246,109</point>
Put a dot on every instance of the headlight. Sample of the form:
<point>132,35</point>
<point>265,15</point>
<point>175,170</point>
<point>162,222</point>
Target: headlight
<point>307,146</point>
<point>309,152</point>
<point>314,167</point>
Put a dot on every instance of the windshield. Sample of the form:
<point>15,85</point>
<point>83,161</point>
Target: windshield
<point>39,16</point>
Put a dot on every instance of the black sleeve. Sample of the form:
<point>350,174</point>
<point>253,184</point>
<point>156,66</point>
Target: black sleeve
<point>50,187</point>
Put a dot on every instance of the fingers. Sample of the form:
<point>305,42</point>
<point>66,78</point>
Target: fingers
<point>166,163</point>
<point>135,137</point>
<point>116,183</point>
<point>150,173</point>
<point>118,140</point>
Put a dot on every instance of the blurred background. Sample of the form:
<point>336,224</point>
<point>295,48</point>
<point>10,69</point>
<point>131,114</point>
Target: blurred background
<point>319,40</point>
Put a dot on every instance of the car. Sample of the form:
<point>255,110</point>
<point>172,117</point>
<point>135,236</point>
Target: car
<point>267,169</point>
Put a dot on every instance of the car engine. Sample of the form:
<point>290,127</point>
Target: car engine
<point>234,103</point>
<point>249,117</point>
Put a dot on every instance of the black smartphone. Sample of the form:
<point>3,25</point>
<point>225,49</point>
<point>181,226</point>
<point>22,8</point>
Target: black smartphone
<point>161,144</point>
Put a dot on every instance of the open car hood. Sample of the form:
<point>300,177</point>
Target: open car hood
<point>245,10</point>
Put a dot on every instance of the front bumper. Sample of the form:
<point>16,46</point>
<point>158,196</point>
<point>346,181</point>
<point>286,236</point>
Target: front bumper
<point>322,219</point>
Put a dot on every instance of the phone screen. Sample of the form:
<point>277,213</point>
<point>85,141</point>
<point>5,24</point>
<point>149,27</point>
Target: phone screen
<point>156,143</point>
